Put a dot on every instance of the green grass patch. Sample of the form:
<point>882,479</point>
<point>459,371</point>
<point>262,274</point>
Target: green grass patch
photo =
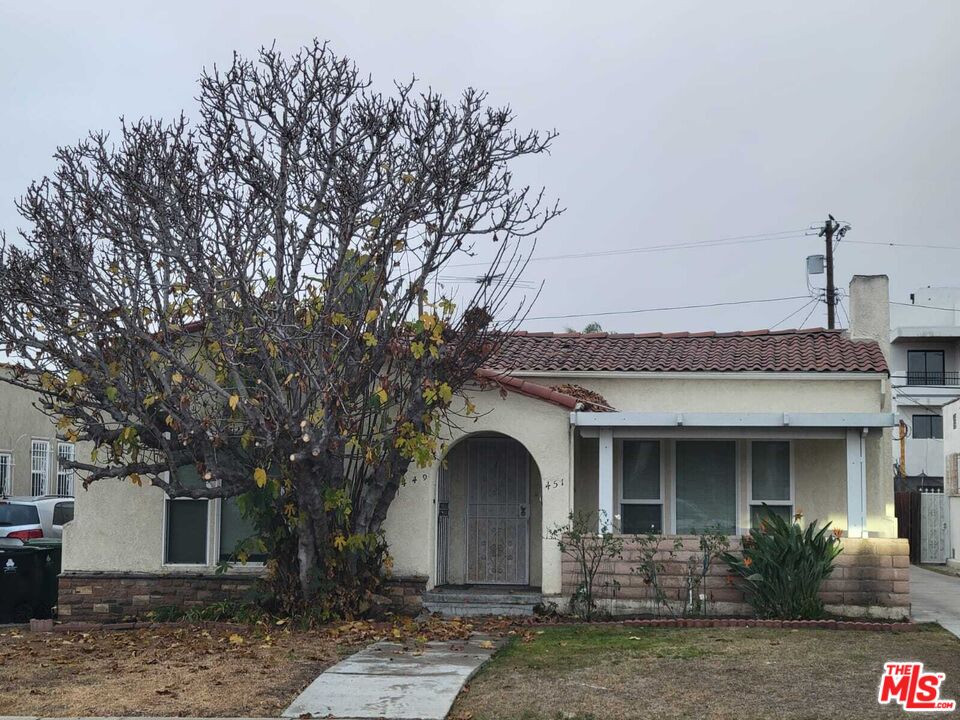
<point>582,645</point>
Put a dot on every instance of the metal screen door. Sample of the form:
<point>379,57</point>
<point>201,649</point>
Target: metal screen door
<point>498,512</point>
<point>933,528</point>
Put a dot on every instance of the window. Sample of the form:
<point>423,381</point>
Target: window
<point>706,486</point>
<point>17,514</point>
<point>62,513</point>
<point>236,533</point>
<point>65,451</point>
<point>641,503</point>
<point>6,474</point>
<point>927,427</point>
<point>925,367</point>
<point>187,532</point>
<point>770,480</point>
<point>39,466</point>
<point>186,525</point>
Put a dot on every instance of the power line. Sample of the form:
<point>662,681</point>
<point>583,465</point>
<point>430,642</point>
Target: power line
<point>904,245</point>
<point>795,312</point>
<point>808,315</point>
<point>928,307</point>
<point>661,309</point>
<point>717,242</point>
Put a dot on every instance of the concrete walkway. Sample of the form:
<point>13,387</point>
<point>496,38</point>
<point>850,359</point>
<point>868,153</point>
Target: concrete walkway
<point>390,681</point>
<point>935,598</point>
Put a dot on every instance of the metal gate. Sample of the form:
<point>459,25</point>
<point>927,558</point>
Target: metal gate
<point>443,524</point>
<point>933,527</point>
<point>498,517</point>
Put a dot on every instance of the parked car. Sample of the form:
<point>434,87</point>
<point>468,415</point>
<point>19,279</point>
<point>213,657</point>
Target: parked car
<point>32,518</point>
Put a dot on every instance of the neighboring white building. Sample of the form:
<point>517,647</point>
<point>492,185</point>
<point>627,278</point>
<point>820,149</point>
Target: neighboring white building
<point>951,458</point>
<point>30,451</point>
<point>925,376</point>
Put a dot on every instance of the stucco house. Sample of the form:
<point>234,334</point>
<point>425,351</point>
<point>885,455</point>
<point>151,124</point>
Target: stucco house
<point>669,433</point>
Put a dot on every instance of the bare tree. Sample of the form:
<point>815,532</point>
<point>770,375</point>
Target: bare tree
<point>256,294</point>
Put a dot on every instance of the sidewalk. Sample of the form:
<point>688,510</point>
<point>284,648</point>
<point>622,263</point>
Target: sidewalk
<point>935,598</point>
<point>387,680</point>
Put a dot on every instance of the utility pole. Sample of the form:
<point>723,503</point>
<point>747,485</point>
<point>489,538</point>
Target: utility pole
<point>826,232</point>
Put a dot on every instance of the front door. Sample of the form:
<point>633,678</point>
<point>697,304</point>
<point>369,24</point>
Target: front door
<point>498,512</point>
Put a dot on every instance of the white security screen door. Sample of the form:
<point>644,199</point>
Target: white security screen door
<point>498,512</point>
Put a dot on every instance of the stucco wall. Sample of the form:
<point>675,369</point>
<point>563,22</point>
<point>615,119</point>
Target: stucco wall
<point>116,526</point>
<point>747,392</point>
<point>119,527</point>
<point>544,430</point>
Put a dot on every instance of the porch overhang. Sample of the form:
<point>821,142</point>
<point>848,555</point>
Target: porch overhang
<point>852,427</point>
<point>731,420</point>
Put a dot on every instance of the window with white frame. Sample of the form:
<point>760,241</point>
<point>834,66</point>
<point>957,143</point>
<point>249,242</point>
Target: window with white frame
<point>706,486</point>
<point>65,475</point>
<point>771,480</point>
<point>641,497</point>
<point>193,527</point>
<point>6,473</point>
<point>39,466</point>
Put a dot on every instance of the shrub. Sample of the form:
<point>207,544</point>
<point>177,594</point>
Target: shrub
<point>783,566</point>
<point>580,541</point>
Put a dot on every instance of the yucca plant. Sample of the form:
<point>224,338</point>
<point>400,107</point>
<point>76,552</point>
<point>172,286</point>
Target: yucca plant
<point>783,566</point>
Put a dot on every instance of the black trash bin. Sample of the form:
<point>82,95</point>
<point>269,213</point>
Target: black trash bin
<point>22,586</point>
<point>51,551</point>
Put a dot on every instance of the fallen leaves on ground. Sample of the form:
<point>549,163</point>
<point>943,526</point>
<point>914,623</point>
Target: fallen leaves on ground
<point>207,669</point>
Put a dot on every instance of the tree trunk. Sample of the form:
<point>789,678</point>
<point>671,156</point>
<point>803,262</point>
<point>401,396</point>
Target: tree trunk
<point>312,537</point>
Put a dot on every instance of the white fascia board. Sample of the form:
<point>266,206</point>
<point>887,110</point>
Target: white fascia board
<point>753,420</point>
<point>925,332</point>
<point>628,375</point>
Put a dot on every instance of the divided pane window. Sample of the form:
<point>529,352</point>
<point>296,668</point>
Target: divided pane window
<point>706,489</point>
<point>770,480</point>
<point>65,451</point>
<point>641,506</point>
<point>6,474</point>
<point>925,367</point>
<point>39,466</point>
<point>928,427</point>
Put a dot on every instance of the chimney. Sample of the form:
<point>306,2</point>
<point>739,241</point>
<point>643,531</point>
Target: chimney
<point>870,310</point>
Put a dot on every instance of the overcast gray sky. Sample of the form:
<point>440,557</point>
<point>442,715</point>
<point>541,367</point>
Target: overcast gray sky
<point>679,122</point>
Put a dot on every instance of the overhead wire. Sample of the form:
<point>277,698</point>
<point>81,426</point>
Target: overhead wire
<point>662,309</point>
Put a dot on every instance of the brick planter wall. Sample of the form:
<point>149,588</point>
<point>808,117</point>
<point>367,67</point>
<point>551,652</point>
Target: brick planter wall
<point>109,597</point>
<point>114,596</point>
<point>870,578</point>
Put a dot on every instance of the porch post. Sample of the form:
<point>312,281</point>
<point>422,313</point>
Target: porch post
<point>606,479</point>
<point>856,486</point>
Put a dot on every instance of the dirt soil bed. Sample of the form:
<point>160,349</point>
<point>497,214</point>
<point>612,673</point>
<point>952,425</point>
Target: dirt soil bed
<point>197,670</point>
<point>595,673</point>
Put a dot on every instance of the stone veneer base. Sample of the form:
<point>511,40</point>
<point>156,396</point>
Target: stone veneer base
<point>112,596</point>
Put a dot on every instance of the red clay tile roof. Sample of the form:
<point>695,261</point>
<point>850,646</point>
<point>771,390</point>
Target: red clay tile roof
<point>812,350</point>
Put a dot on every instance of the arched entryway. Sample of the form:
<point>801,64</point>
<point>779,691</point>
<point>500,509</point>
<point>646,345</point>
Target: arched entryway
<point>489,518</point>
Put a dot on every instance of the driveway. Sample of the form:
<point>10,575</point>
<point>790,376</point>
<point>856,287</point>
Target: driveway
<point>935,598</point>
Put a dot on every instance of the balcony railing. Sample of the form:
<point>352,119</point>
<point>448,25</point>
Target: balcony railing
<point>933,378</point>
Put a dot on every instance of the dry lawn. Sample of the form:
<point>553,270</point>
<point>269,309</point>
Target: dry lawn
<point>198,670</point>
<point>204,671</point>
<point>600,673</point>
